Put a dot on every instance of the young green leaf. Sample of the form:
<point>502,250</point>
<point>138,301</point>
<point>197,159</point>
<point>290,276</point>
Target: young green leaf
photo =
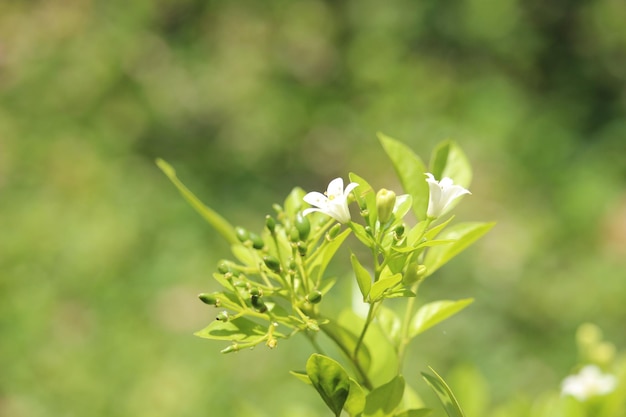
<point>363,278</point>
<point>316,265</point>
<point>420,412</point>
<point>383,400</point>
<point>383,284</point>
<point>302,376</point>
<point>464,234</point>
<point>365,194</point>
<point>443,391</point>
<point>448,160</point>
<point>221,225</point>
<point>330,380</point>
<point>356,399</point>
<point>239,330</point>
<point>433,313</point>
<point>410,170</point>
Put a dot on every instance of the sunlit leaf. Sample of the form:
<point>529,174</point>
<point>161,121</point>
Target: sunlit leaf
<point>302,376</point>
<point>363,278</point>
<point>238,330</point>
<point>410,169</point>
<point>443,391</point>
<point>421,412</point>
<point>221,225</point>
<point>449,160</point>
<point>432,313</point>
<point>383,400</point>
<point>464,235</point>
<point>316,265</point>
<point>382,285</point>
<point>365,193</point>
<point>330,380</point>
<point>356,399</point>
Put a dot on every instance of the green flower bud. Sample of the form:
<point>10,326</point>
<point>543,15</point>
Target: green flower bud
<point>333,232</point>
<point>302,248</point>
<point>223,268</point>
<point>294,235</point>
<point>210,299</point>
<point>385,201</point>
<point>303,225</point>
<point>258,304</point>
<point>257,242</point>
<point>256,291</point>
<point>242,234</point>
<point>292,264</point>
<point>222,316</point>
<point>399,232</point>
<point>271,343</point>
<point>270,223</point>
<point>314,297</point>
<point>272,263</point>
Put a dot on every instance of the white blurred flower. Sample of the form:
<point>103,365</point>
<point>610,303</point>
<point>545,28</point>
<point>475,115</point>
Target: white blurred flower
<point>335,201</point>
<point>589,382</point>
<point>442,194</point>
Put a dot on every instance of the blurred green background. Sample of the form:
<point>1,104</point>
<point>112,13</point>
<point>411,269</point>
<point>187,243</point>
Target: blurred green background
<point>101,259</point>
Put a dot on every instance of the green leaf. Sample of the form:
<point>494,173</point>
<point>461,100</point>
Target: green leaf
<point>365,193</point>
<point>356,399</point>
<point>464,235</point>
<point>238,330</point>
<point>316,265</point>
<point>302,376</point>
<point>386,282</point>
<point>390,324</point>
<point>363,278</point>
<point>443,391</point>
<point>330,380</point>
<point>383,400</point>
<point>448,160</point>
<point>410,170</point>
<point>421,412</point>
<point>221,225</point>
<point>433,313</point>
<point>294,201</point>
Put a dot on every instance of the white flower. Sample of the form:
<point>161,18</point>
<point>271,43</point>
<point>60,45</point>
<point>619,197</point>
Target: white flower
<point>442,194</point>
<point>334,203</point>
<point>589,382</point>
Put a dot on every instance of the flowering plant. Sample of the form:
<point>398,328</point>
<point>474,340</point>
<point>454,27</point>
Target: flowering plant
<point>275,286</point>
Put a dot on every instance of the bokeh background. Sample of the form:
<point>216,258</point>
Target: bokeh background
<point>101,260</point>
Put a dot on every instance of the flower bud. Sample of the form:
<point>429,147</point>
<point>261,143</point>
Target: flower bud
<point>256,291</point>
<point>271,343</point>
<point>302,248</point>
<point>242,234</point>
<point>210,299</point>
<point>257,242</point>
<point>223,268</point>
<point>270,223</point>
<point>303,225</point>
<point>272,263</point>
<point>385,201</point>
<point>333,232</point>
<point>314,297</point>
<point>258,304</point>
<point>399,232</point>
<point>294,235</point>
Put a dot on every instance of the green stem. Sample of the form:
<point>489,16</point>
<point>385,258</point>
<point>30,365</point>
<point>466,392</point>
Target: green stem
<point>361,374</point>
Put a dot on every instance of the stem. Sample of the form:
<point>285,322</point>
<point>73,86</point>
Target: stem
<point>408,314</point>
<point>362,375</point>
<point>368,320</point>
